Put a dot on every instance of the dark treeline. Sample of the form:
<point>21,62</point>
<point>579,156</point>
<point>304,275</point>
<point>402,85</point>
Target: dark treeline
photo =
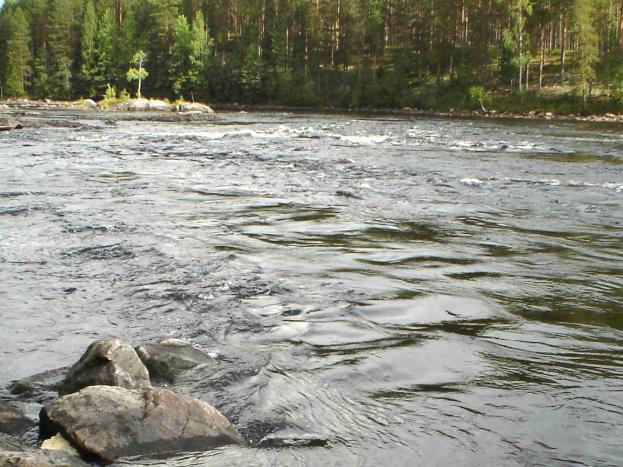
<point>346,53</point>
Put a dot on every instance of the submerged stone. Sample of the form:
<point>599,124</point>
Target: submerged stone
<point>105,423</point>
<point>166,359</point>
<point>108,363</point>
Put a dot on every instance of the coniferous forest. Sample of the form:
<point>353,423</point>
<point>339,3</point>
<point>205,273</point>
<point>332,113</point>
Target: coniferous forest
<point>342,53</point>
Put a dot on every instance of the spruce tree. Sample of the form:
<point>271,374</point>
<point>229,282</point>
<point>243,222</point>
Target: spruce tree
<point>200,49</point>
<point>106,71</point>
<point>179,61</point>
<point>60,48</point>
<point>89,82</point>
<point>18,56</point>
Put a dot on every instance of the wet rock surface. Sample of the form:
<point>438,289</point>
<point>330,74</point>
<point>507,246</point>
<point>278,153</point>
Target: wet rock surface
<point>7,124</point>
<point>109,363</point>
<point>105,423</point>
<point>168,358</point>
<point>14,453</point>
<point>39,388</point>
<point>12,420</point>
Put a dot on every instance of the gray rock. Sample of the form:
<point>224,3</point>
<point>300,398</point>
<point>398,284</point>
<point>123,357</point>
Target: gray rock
<point>170,357</point>
<point>89,103</point>
<point>40,387</point>
<point>192,107</point>
<point>108,363</point>
<point>105,423</point>
<point>348,194</point>
<point>13,453</point>
<point>144,105</point>
<point>7,124</point>
<point>12,421</point>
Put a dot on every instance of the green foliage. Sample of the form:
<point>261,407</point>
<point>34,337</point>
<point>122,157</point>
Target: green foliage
<point>478,96</point>
<point>138,73</point>
<point>111,92</point>
<point>180,55</point>
<point>60,44</point>
<point>88,58</point>
<point>18,56</point>
<point>356,54</point>
<point>587,39</point>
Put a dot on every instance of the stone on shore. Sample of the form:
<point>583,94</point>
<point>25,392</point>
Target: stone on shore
<point>108,363</point>
<point>12,421</point>
<point>145,105</point>
<point>193,107</point>
<point>168,358</point>
<point>105,423</point>
<point>89,103</point>
<point>13,453</point>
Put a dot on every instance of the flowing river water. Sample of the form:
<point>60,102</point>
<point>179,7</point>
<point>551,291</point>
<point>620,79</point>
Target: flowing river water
<point>378,290</point>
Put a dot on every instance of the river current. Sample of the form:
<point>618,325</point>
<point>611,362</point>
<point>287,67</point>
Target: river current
<point>377,290</point>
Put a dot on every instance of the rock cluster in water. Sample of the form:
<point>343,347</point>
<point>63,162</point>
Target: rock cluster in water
<point>109,409</point>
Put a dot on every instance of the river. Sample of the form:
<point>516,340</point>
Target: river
<point>379,290</point>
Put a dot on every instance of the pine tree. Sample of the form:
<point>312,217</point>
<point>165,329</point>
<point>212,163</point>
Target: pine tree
<point>18,57</point>
<point>587,50</point>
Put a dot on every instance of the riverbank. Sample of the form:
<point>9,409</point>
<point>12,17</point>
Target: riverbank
<point>24,113</point>
<point>161,110</point>
<point>529,115</point>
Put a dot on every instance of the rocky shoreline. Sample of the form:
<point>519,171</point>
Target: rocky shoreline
<point>108,406</point>
<point>23,113</point>
<point>406,111</point>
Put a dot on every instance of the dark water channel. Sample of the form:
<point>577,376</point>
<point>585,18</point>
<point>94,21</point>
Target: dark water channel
<point>379,291</point>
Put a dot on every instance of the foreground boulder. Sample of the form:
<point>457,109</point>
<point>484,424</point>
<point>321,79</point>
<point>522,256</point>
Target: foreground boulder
<point>168,358</point>
<point>14,453</point>
<point>105,423</point>
<point>108,363</point>
<point>12,421</point>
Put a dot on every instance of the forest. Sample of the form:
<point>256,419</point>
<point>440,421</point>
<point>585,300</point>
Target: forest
<point>564,55</point>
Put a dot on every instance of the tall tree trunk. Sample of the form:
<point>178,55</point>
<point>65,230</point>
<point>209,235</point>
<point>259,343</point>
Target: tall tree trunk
<point>563,35</point>
<point>542,61</point>
<point>520,25</point>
